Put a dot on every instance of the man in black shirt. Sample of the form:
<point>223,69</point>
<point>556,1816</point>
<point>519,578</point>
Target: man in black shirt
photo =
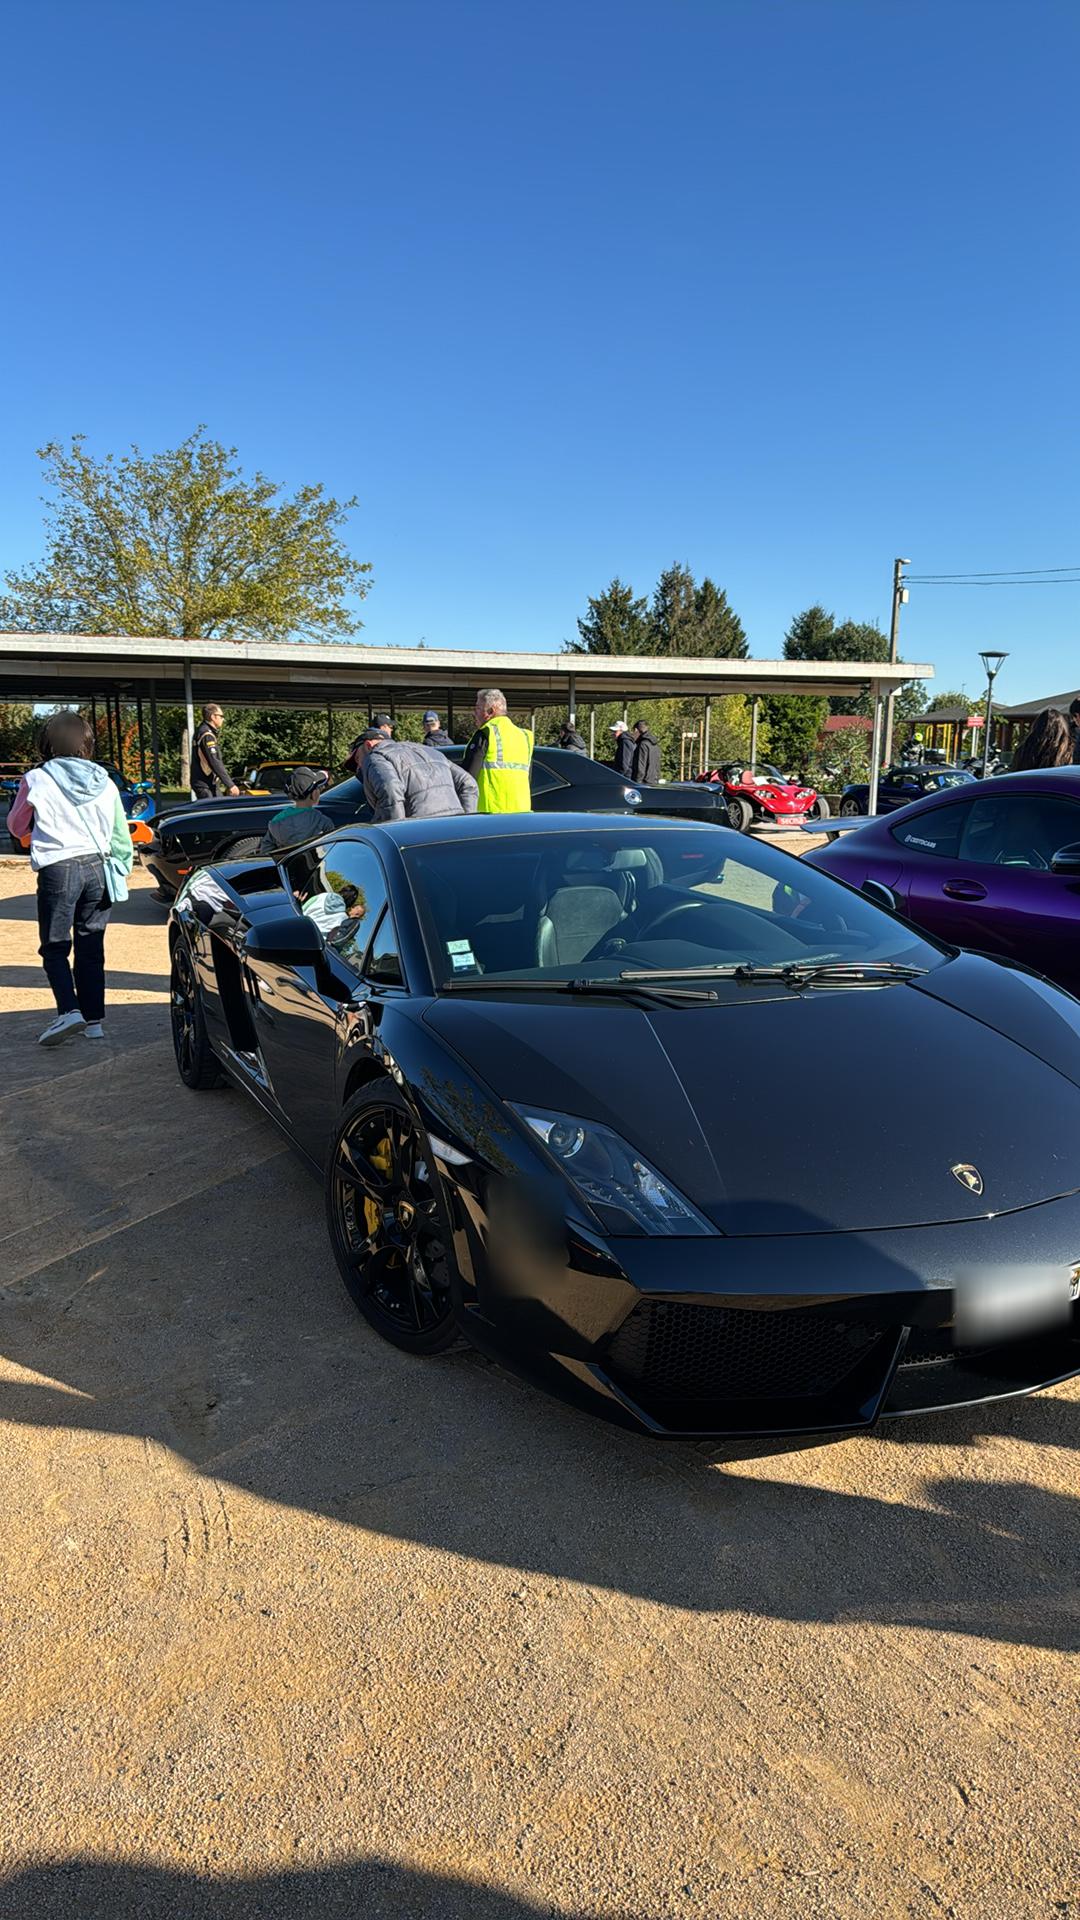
<point>208,770</point>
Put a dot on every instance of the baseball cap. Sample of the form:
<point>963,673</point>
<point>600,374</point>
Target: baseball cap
<point>304,781</point>
<point>431,714</point>
<point>382,720</point>
<point>619,727</point>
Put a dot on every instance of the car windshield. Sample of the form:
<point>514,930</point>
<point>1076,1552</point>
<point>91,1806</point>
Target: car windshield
<point>595,904</point>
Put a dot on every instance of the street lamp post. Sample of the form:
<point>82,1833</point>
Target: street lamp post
<point>992,664</point>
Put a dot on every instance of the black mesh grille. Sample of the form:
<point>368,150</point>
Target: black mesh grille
<point>671,1350</point>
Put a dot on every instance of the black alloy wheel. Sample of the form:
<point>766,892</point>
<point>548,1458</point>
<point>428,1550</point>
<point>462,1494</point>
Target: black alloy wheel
<point>739,813</point>
<point>195,1062</point>
<point>848,807</point>
<point>388,1224</point>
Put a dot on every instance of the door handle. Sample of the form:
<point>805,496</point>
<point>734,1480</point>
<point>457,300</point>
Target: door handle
<point>964,890</point>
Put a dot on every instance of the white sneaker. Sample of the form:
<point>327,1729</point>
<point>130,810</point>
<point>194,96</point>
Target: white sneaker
<point>94,1030</point>
<point>61,1029</point>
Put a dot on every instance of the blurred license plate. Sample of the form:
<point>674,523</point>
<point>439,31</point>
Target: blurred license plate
<point>1004,1302</point>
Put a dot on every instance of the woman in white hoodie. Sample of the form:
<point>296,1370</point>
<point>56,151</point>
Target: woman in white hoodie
<point>72,811</point>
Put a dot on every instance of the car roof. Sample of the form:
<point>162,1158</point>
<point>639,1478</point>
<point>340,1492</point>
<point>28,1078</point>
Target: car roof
<point>514,826</point>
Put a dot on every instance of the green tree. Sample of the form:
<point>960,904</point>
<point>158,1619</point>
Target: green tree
<point>810,635</point>
<point>793,722</point>
<point>180,542</point>
<point>617,622</point>
<point>720,632</point>
<point>18,731</point>
<point>941,701</point>
<point>673,616</point>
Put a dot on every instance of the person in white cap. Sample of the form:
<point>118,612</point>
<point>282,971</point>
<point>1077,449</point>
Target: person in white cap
<point>623,754</point>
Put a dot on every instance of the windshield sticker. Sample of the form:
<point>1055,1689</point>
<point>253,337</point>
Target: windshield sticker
<point>462,958</point>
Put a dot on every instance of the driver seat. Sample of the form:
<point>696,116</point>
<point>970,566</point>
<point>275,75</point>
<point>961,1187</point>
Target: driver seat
<point>587,900</point>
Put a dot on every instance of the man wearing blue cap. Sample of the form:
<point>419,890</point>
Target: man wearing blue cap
<point>435,734</point>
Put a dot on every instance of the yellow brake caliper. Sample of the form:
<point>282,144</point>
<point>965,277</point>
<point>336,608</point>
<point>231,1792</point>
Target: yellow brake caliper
<point>380,1160</point>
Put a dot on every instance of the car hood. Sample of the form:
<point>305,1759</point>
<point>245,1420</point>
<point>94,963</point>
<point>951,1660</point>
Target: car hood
<point>818,1112</point>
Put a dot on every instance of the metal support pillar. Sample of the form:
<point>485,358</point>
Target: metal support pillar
<point>571,707</point>
<point>592,733</point>
<point>93,719</point>
<point>155,748</point>
<point>142,742</point>
<point>189,703</point>
<point>450,714</point>
<point>755,710</point>
<point>705,760</point>
<point>120,737</point>
<point>875,749</point>
<point>329,737</point>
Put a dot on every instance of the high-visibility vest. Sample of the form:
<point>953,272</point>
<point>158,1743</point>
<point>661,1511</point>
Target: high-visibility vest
<point>503,779</point>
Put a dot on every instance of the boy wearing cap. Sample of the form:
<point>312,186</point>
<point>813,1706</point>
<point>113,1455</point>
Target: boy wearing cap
<point>435,734</point>
<point>303,820</point>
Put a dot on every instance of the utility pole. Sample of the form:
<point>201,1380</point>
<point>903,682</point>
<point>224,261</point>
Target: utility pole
<point>899,599</point>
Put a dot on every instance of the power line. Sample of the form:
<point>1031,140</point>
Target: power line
<point>1001,574</point>
<point>929,580</point>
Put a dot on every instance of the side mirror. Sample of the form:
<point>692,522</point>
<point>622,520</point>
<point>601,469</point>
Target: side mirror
<point>1067,860</point>
<point>287,939</point>
<point>880,894</point>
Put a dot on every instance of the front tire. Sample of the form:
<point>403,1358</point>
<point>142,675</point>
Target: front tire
<point>388,1223</point>
<point>739,813</point>
<point>195,1060</point>
<point>820,809</point>
<point>849,807</point>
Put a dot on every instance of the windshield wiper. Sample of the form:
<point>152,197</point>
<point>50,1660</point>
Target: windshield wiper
<point>844,973</point>
<point>644,986</point>
<point>791,973</point>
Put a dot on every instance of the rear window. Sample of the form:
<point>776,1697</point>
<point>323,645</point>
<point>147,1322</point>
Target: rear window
<point>937,831</point>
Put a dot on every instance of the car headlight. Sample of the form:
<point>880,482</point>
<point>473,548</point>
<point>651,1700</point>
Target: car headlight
<point>632,795</point>
<point>617,1182</point>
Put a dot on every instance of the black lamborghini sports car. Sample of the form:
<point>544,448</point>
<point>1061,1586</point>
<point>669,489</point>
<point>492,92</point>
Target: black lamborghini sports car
<point>202,832</point>
<point>601,1094</point>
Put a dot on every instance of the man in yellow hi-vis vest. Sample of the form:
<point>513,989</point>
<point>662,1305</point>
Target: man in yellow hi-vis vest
<point>499,756</point>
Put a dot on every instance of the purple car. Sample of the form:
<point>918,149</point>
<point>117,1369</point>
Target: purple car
<point>994,866</point>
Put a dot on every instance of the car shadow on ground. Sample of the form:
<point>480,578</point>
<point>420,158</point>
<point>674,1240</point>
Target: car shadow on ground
<point>253,1367</point>
<point>201,1309</point>
<point>360,1890</point>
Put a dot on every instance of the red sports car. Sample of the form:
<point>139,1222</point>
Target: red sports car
<point>762,793</point>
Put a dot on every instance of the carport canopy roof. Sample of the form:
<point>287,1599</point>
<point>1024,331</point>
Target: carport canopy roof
<point>66,666</point>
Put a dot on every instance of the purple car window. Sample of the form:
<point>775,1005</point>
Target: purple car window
<point>936,831</point>
<point>1019,830</point>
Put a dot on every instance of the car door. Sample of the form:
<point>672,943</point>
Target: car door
<point>299,1011</point>
<point>987,882</point>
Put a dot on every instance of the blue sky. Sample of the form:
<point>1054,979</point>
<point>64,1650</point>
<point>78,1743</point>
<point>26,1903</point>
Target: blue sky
<point>781,289</point>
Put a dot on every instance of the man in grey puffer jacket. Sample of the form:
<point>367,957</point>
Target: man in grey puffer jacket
<point>404,781</point>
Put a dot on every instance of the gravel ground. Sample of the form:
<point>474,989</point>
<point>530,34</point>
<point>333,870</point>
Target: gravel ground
<point>292,1625</point>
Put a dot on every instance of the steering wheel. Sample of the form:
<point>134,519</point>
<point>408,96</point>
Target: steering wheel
<point>650,931</point>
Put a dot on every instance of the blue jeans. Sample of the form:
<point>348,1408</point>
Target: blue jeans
<point>71,898</point>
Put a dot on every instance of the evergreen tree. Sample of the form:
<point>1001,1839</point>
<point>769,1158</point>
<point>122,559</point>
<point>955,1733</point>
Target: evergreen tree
<point>674,617</point>
<point>617,622</point>
<point>793,722</point>
<point>720,632</point>
<point>810,635</point>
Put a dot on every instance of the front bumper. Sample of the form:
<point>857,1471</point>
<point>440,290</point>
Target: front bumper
<point>819,1333</point>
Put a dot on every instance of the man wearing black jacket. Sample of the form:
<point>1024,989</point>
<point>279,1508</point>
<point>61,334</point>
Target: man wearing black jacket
<point>208,770</point>
<point>622,758</point>
<point>571,740</point>
<point>645,767</point>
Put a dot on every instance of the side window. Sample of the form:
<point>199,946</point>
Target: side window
<point>1019,830</point>
<point>542,780</point>
<point>346,893</point>
<point>936,831</point>
<point>383,962</point>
